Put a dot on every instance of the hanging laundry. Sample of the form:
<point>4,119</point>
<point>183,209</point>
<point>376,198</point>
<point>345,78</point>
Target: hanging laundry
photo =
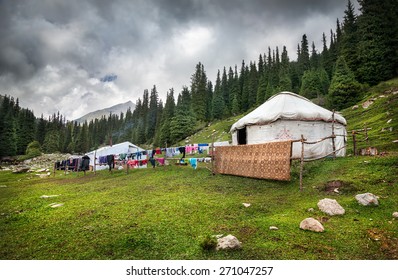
<point>110,161</point>
<point>160,160</point>
<point>85,163</point>
<point>169,152</point>
<point>182,151</point>
<point>193,162</point>
<point>158,151</point>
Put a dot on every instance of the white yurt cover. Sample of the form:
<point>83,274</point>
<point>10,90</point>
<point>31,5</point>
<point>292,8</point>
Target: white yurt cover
<point>288,116</point>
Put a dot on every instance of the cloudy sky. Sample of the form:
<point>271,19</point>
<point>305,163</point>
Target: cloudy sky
<point>77,56</point>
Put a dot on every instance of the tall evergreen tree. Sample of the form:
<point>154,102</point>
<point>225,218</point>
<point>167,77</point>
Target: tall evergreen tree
<point>218,100</point>
<point>344,89</point>
<point>350,38</point>
<point>378,47</point>
<point>199,92</point>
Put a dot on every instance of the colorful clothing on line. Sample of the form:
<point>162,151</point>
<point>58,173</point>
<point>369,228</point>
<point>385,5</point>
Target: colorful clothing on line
<point>193,162</point>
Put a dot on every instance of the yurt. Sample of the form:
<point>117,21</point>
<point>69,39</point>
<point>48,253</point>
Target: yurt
<point>287,116</point>
<point>117,149</point>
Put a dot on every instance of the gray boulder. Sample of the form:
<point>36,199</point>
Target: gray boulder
<point>228,242</point>
<point>367,199</point>
<point>312,225</point>
<point>330,207</point>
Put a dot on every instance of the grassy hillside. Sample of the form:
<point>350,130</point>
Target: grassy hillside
<point>168,213</point>
<point>381,116</point>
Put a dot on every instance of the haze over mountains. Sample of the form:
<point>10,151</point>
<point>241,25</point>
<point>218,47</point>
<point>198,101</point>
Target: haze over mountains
<point>116,109</point>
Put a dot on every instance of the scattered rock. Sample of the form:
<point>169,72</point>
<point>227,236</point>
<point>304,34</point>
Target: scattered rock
<point>336,190</point>
<point>367,103</point>
<point>312,225</point>
<point>367,199</point>
<point>3,186</point>
<point>369,151</point>
<point>355,107</point>
<point>41,170</point>
<point>228,242</point>
<point>330,207</point>
<point>390,120</point>
<point>395,215</point>
<point>21,169</point>
<point>273,228</point>
<point>310,210</point>
<point>42,175</point>
<point>55,205</point>
<point>49,196</point>
<point>246,204</point>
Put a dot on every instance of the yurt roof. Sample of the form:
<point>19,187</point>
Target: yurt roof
<point>287,106</point>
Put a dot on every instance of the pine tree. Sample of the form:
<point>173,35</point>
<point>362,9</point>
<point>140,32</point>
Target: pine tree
<point>181,125</point>
<point>218,100</point>
<point>378,46</point>
<point>199,92</point>
<point>344,89</point>
<point>350,38</point>
<point>303,58</point>
<point>152,114</point>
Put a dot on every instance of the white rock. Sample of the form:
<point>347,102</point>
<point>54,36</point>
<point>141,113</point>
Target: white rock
<point>55,205</point>
<point>395,215</point>
<point>246,204</point>
<point>367,199</point>
<point>312,225</point>
<point>228,242</point>
<point>310,210</point>
<point>330,207</point>
<point>273,228</point>
<point>49,196</point>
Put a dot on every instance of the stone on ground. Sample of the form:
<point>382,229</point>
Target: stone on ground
<point>330,207</point>
<point>367,199</point>
<point>228,242</point>
<point>312,225</point>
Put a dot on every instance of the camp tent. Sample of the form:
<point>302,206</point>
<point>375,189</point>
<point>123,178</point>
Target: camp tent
<point>117,149</point>
<point>286,116</point>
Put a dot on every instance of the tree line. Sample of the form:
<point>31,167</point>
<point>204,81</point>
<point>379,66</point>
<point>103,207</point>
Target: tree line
<point>360,52</point>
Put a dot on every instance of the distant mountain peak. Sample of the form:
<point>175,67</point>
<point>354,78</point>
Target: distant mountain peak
<point>116,109</point>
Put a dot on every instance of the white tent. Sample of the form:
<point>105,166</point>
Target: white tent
<point>288,116</point>
<point>117,149</point>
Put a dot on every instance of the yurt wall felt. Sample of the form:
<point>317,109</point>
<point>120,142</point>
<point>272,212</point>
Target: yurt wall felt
<point>263,161</point>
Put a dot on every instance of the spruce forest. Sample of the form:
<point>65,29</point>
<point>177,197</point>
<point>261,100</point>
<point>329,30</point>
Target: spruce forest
<point>360,52</point>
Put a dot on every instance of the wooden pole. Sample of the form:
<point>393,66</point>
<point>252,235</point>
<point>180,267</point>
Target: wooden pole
<point>301,162</point>
<point>354,142</point>
<point>95,162</point>
<point>212,153</point>
<point>333,137</point>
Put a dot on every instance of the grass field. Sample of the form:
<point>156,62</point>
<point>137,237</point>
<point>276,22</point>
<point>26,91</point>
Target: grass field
<point>166,213</point>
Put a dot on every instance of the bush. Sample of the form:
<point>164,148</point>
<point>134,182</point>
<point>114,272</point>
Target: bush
<point>208,243</point>
<point>33,150</point>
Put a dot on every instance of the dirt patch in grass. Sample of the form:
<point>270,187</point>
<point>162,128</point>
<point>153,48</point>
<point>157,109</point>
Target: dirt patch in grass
<point>388,244</point>
<point>339,186</point>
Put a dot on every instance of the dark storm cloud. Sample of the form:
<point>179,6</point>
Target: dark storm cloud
<point>53,53</point>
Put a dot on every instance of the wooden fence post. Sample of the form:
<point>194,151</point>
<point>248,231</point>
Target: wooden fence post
<point>301,162</point>
<point>212,153</point>
<point>333,137</point>
<point>354,142</point>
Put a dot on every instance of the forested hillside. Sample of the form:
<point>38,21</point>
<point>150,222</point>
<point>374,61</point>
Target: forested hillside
<point>360,52</point>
